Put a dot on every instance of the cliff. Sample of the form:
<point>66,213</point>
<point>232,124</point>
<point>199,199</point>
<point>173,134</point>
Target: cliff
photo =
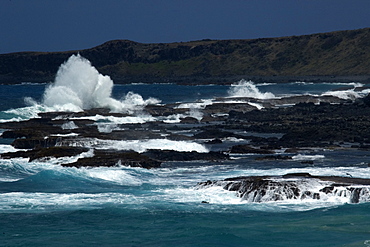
<point>341,55</point>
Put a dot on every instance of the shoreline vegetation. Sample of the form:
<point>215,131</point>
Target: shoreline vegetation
<point>341,56</point>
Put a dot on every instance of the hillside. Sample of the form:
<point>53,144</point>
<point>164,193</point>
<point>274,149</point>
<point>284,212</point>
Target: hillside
<point>342,55</point>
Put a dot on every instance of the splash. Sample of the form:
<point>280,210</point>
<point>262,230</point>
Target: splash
<point>79,86</point>
<point>247,89</point>
<point>139,145</point>
<point>346,94</point>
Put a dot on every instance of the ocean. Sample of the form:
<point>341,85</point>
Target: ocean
<point>45,204</point>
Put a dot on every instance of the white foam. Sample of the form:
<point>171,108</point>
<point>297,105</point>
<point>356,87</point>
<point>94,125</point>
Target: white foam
<point>23,113</point>
<point>7,148</point>
<point>69,125</point>
<point>247,89</point>
<point>212,195</point>
<point>195,113</point>
<point>49,162</point>
<point>258,106</point>
<point>119,120</point>
<point>162,144</point>
<point>307,157</point>
<point>21,201</point>
<point>346,94</point>
<point>135,102</point>
<point>107,127</point>
<point>79,86</point>
<point>141,145</point>
<point>65,135</point>
<point>196,105</point>
<point>113,174</point>
<point>139,118</point>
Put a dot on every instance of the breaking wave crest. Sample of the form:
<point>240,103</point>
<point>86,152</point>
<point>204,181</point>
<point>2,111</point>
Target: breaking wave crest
<point>79,86</point>
<point>245,88</point>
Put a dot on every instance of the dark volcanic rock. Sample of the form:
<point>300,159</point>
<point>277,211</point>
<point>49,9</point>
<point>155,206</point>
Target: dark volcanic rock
<point>189,120</point>
<point>109,158</point>
<point>214,141</point>
<point>247,149</point>
<point>31,143</point>
<point>164,110</point>
<point>307,124</point>
<point>213,133</point>
<point>170,155</point>
<point>217,108</point>
<point>40,153</point>
<point>296,186</point>
<point>274,157</point>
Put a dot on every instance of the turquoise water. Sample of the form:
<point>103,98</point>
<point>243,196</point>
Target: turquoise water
<point>347,225</point>
<point>44,204</point>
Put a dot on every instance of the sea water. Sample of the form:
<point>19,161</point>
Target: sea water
<point>45,204</point>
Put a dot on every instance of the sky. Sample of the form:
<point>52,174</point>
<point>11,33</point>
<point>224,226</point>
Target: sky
<point>62,25</point>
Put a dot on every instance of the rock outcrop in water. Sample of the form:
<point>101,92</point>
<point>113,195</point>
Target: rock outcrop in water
<point>302,125</point>
<point>298,186</point>
<point>260,126</point>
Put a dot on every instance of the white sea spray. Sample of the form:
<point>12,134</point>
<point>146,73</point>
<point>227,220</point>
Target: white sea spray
<point>69,125</point>
<point>245,88</point>
<point>142,145</point>
<point>79,86</point>
<point>345,94</point>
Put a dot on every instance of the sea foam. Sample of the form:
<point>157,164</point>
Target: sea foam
<point>245,88</point>
<point>79,86</point>
<point>143,145</point>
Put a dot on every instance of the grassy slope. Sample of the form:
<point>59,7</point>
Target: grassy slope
<point>335,53</point>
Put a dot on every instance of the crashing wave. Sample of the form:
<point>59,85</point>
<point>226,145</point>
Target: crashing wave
<point>296,187</point>
<point>139,146</point>
<point>79,86</point>
<point>245,88</point>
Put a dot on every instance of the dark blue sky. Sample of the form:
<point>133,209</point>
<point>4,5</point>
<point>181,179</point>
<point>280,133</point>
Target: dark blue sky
<point>60,25</point>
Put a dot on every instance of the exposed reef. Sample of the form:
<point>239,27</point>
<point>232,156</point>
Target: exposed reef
<point>92,136</point>
<point>296,186</point>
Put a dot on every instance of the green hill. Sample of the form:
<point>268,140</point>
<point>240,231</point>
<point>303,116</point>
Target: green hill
<point>340,55</point>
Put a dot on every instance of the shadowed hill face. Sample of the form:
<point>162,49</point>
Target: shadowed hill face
<point>336,53</point>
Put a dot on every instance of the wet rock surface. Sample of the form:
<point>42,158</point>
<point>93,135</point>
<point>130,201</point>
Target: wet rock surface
<point>297,186</point>
<point>229,128</point>
<point>110,158</point>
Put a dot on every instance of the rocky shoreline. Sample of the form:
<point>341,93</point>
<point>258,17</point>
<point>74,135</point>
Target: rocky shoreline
<point>294,186</point>
<point>204,80</point>
<point>324,121</point>
<point>264,127</point>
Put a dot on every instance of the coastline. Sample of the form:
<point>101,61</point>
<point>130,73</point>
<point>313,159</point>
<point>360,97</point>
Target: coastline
<point>341,56</point>
<point>207,80</point>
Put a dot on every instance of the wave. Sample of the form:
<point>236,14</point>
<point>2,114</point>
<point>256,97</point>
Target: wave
<point>138,145</point>
<point>302,157</point>
<point>292,190</point>
<point>358,91</point>
<point>43,202</point>
<point>6,149</point>
<point>23,113</point>
<point>79,86</point>
<point>14,170</point>
<point>245,88</point>
<point>346,94</point>
<point>46,186</point>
